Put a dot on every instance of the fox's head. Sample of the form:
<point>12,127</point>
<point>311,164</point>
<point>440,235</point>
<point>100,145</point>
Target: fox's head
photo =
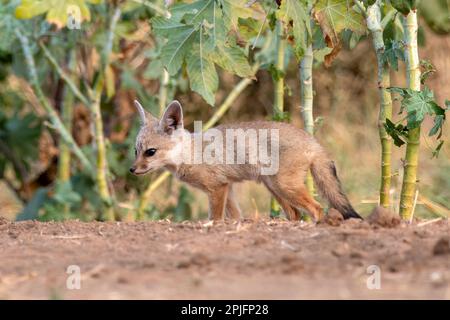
<point>158,140</point>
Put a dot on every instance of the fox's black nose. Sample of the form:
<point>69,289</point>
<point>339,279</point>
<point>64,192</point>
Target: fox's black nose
<point>132,169</point>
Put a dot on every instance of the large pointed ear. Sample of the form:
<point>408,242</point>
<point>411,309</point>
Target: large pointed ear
<point>144,116</point>
<point>172,118</point>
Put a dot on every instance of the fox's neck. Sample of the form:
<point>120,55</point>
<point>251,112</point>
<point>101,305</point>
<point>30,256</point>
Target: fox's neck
<point>183,150</point>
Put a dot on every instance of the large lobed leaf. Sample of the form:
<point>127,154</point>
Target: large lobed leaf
<point>202,74</point>
<point>404,6</point>
<point>7,25</point>
<point>418,104</point>
<point>198,36</point>
<point>335,16</point>
<point>295,13</point>
<point>233,10</point>
<point>178,45</point>
<point>232,59</point>
<point>392,53</point>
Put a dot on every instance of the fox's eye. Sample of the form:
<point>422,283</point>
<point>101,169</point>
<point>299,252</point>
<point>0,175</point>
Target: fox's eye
<point>135,152</point>
<point>150,152</point>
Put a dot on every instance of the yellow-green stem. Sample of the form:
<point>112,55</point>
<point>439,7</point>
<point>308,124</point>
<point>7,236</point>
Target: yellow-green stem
<point>410,26</point>
<point>55,120</point>
<point>163,91</point>
<point>278,101</point>
<point>278,106</point>
<point>102,171</point>
<point>66,115</point>
<point>373,19</point>
<point>306,100</point>
<point>102,164</point>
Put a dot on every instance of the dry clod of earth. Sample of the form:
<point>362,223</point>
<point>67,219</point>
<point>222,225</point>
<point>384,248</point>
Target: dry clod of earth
<point>334,218</point>
<point>442,246</point>
<point>3,220</point>
<point>384,218</point>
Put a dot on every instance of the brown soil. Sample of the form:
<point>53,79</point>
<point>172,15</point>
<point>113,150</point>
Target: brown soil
<point>265,259</point>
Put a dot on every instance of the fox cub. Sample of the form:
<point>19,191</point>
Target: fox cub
<point>164,143</point>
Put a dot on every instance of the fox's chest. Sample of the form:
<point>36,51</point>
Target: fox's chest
<point>192,176</point>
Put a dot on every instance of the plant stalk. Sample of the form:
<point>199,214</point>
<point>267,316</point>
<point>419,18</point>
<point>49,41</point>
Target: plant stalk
<point>163,91</point>
<point>374,24</point>
<point>278,106</point>
<point>57,124</point>
<point>307,97</point>
<point>278,101</point>
<point>102,172</point>
<point>410,26</point>
<point>67,116</point>
<point>63,75</point>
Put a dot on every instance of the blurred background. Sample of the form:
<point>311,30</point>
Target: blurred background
<point>345,102</point>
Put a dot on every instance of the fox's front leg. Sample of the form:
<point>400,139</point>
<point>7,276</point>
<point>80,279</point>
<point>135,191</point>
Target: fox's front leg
<point>217,200</point>
<point>232,210</point>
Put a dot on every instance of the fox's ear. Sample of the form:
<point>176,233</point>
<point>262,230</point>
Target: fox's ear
<point>144,116</point>
<point>172,118</point>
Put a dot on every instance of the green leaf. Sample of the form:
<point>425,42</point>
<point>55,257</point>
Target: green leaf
<point>235,9</point>
<point>7,25</point>
<point>173,53</point>
<point>437,127</point>
<point>369,2</point>
<point>206,11</point>
<point>202,74</point>
<point>31,211</point>
<point>282,117</point>
<point>404,6</point>
<point>437,150</point>
<point>153,70</point>
<point>417,104</point>
<point>275,73</point>
<point>197,35</point>
<point>180,10</point>
<point>233,59</point>
<point>164,27</point>
<point>333,17</point>
<point>396,132</point>
<point>295,13</point>
<point>337,15</point>
<point>392,53</point>
<point>427,70</point>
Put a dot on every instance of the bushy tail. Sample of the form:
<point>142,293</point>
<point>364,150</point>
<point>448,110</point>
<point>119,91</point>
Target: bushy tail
<point>327,181</point>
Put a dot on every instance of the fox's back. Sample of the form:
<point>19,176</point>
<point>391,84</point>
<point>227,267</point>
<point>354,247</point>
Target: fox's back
<point>291,138</point>
<point>296,150</point>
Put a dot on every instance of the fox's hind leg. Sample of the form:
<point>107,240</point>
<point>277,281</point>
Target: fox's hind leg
<point>291,189</point>
<point>232,210</point>
<point>217,200</point>
<point>302,199</point>
<point>290,212</point>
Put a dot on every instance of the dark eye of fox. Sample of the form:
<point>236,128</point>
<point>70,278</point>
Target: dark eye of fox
<point>150,152</point>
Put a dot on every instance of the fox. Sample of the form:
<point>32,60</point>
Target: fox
<point>160,144</point>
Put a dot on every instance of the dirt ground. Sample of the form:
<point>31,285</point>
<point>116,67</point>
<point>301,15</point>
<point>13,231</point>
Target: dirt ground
<point>264,259</point>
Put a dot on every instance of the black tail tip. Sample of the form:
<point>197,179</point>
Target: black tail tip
<point>350,213</point>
